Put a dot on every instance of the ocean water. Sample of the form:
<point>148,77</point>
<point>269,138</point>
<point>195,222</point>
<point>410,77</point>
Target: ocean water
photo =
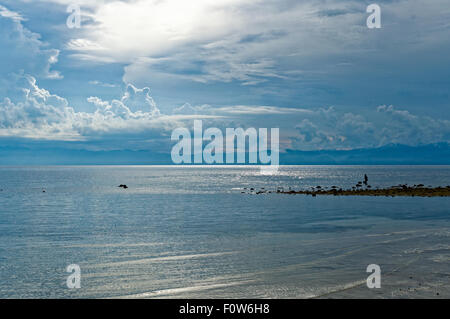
<point>189,232</point>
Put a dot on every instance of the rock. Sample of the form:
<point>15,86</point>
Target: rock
<point>123,186</point>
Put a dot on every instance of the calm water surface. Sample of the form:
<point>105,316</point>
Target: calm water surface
<point>180,232</point>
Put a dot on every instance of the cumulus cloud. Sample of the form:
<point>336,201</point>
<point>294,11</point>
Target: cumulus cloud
<point>22,50</point>
<point>248,41</point>
<point>139,100</point>
<point>38,114</point>
<point>327,128</point>
<point>30,111</point>
<point>135,118</point>
<point>401,126</point>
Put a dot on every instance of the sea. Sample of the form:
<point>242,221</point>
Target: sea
<point>200,232</point>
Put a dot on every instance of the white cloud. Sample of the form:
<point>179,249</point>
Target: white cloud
<point>223,40</point>
<point>250,41</point>
<point>125,31</point>
<point>404,127</point>
<point>99,83</point>
<point>188,109</point>
<point>38,114</point>
<point>22,50</point>
<point>139,100</point>
<point>6,13</point>
<point>330,129</point>
<point>240,40</point>
<point>261,110</point>
<point>135,119</point>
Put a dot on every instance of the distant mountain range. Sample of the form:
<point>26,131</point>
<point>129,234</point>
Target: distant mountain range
<point>393,154</point>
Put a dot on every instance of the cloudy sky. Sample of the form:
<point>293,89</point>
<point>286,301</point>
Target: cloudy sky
<point>137,69</point>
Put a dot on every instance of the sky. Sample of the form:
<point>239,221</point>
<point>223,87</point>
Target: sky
<point>136,70</point>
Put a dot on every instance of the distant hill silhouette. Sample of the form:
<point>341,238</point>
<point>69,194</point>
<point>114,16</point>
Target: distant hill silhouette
<point>393,154</point>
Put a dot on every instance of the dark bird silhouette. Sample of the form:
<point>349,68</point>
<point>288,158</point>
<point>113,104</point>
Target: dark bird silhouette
<point>366,179</point>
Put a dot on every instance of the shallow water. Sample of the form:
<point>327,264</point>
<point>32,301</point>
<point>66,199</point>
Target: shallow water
<point>184,232</point>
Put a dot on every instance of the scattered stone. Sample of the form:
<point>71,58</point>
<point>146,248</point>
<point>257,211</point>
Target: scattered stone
<point>393,191</point>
